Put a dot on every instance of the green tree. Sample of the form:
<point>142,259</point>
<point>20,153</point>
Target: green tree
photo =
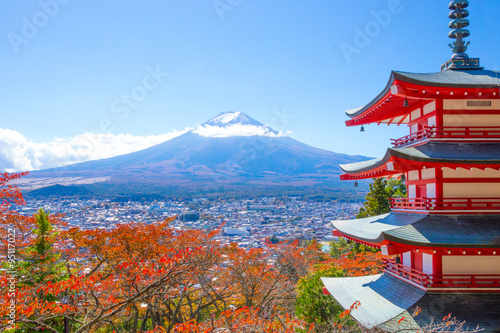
<point>397,188</point>
<point>377,200</point>
<point>343,247</point>
<point>311,304</point>
<point>41,262</point>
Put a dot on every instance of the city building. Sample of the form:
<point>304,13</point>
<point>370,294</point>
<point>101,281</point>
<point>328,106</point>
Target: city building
<point>442,242</point>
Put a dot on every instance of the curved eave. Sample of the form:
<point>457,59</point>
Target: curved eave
<point>388,108</point>
<point>357,112</point>
<point>371,230</point>
<point>397,160</point>
<point>388,303</point>
<point>379,295</point>
<point>369,165</point>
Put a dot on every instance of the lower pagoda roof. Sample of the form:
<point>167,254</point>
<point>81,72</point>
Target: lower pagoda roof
<point>433,152</point>
<point>382,297</point>
<point>385,300</point>
<point>450,231</point>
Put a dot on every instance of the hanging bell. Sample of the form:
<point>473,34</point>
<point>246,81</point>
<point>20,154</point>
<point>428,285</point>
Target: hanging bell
<point>403,177</point>
<point>355,183</point>
<point>362,128</point>
<point>405,103</point>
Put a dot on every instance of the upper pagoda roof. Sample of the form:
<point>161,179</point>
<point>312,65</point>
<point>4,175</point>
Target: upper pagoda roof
<point>452,78</point>
<point>450,231</point>
<point>433,152</point>
<point>412,87</point>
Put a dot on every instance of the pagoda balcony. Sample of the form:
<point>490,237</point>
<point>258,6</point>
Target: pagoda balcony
<point>405,272</point>
<point>442,204</point>
<point>447,281</point>
<point>449,133</point>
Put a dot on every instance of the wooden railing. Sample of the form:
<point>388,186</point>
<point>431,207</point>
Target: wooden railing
<point>410,203</point>
<point>406,272</point>
<point>414,137</point>
<point>467,133</point>
<point>462,204</point>
<point>465,281</point>
<point>462,281</point>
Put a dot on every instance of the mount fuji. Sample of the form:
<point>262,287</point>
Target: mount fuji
<point>229,152</point>
<point>226,119</point>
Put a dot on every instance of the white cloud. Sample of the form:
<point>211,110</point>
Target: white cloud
<point>18,153</point>
<point>235,130</point>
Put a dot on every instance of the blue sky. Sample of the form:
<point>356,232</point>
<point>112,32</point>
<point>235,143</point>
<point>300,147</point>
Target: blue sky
<point>66,65</point>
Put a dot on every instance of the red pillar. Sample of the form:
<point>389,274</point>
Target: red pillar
<point>437,264</point>
<point>439,170</point>
<point>439,113</point>
<point>439,182</point>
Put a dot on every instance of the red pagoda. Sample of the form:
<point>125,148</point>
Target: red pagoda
<point>445,235</point>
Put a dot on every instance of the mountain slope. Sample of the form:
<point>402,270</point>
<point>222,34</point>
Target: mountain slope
<point>211,152</point>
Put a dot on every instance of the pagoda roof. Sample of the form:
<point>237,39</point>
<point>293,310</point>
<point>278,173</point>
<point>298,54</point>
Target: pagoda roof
<point>475,309</point>
<point>433,152</point>
<point>370,229</point>
<point>366,165</point>
<point>451,78</point>
<point>385,300</point>
<point>449,231</point>
<point>457,231</point>
<point>389,103</point>
<point>382,296</point>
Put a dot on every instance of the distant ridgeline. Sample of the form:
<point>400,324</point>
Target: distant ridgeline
<point>60,190</point>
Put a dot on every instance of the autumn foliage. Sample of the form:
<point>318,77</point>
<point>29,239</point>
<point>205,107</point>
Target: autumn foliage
<point>151,277</point>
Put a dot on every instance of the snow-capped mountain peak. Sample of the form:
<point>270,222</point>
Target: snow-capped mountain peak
<point>225,119</point>
<point>236,123</point>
